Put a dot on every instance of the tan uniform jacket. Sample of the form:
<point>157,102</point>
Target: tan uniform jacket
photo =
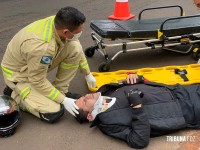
<point>35,49</point>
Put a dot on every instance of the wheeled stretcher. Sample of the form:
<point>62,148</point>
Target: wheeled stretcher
<point>169,75</point>
<point>165,33</point>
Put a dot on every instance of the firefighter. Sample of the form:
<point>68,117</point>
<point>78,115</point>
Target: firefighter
<point>37,49</point>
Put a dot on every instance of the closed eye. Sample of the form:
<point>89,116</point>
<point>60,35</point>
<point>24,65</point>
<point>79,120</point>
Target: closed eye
<point>84,102</point>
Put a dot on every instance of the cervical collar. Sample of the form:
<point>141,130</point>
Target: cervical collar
<point>102,104</point>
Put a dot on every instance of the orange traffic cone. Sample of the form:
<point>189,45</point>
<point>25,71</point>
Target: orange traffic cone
<point>121,11</point>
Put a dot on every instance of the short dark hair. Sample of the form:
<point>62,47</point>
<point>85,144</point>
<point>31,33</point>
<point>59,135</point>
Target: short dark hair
<point>70,18</point>
<point>82,116</point>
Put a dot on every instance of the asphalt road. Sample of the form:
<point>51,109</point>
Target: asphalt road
<point>67,134</point>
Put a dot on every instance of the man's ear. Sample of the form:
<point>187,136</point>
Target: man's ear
<point>89,116</point>
<point>64,31</point>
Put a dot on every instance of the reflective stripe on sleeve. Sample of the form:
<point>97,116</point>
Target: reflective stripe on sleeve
<point>44,27</point>
<point>54,94</point>
<point>48,30</point>
<point>25,92</point>
<point>37,27</point>
<point>83,64</point>
<point>8,73</point>
<point>68,66</point>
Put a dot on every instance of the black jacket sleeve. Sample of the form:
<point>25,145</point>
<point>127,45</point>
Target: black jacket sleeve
<point>139,135</point>
<point>136,134</point>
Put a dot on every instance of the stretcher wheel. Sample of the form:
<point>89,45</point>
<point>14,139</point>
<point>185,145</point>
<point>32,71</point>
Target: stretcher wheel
<point>89,52</point>
<point>103,67</point>
<point>196,52</point>
<point>196,55</point>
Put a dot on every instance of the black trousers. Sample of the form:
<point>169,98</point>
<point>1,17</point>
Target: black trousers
<point>189,99</point>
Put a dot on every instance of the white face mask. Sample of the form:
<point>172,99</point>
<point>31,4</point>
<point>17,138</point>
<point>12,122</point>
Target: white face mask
<point>76,36</point>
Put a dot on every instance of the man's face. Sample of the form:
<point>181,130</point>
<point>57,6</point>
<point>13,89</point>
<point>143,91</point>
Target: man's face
<point>87,102</point>
<point>197,3</point>
<point>70,34</point>
<point>67,34</point>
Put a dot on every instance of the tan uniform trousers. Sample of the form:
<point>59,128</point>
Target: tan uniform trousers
<point>35,102</point>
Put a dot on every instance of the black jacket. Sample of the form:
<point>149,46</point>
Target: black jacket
<point>161,113</point>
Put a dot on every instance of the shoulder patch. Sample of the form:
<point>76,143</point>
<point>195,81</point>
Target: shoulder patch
<point>46,60</point>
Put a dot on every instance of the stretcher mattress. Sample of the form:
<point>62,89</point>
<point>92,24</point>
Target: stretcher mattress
<point>164,75</point>
<point>140,29</point>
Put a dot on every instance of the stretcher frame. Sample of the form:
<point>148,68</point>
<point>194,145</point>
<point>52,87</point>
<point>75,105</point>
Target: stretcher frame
<point>162,41</point>
<point>169,75</point>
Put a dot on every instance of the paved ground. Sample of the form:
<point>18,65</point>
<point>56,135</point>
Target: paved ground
<point>67,134</point>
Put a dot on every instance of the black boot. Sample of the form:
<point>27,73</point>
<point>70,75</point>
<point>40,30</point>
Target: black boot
<point>52,117</point>
<point>7,91</point>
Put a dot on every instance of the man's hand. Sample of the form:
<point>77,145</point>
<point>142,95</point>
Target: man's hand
<point>134,78</point>
<point>131,78</point>
<point>134,98</point>
<point>70,106</point>
<point>91,81</point>
<point>137,106</point>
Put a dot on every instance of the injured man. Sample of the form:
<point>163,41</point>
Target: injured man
<point>140,109</point>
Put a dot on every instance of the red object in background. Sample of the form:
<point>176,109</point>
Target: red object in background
<point>121,11</point>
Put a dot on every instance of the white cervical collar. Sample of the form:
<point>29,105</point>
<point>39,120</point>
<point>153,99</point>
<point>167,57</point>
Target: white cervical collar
<point>101,105</point>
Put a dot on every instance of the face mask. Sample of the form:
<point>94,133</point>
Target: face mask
<point>76,36</point>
